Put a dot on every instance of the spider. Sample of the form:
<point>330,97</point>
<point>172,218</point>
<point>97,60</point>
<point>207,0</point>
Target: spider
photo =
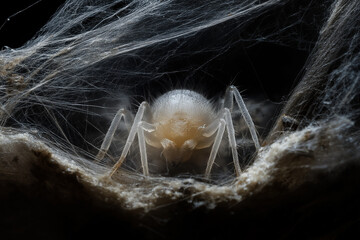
<point>180,122</point>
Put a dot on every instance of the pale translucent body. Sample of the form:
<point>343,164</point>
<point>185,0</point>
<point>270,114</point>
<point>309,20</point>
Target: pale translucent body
<point>180,122</point>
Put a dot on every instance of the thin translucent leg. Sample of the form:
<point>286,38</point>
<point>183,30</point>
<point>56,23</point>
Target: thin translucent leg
<point>215,147</point>
<point>211,128</point>
<point>142,145</point>
<point>228,103</point>
<point>134,129</point>
<point>122,113</point>
<point>143,155</point>
<point>232,141</point>
<point>229,98</point>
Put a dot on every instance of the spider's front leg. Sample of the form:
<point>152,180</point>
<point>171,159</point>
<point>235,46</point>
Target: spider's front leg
<point>224,122</point>
<point>137,127</point>
<point>142,145</point>
<point>219,128</point>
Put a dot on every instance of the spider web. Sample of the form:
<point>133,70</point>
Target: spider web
<point>93,57</point>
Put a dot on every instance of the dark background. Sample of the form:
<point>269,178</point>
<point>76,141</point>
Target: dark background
<point>26,17</point>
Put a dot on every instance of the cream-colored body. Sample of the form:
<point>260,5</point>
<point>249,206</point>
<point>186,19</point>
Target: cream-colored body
<point>180,122</point>
<point>180,117</point>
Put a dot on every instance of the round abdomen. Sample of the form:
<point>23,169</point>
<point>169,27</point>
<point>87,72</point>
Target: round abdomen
<point>180,114</point>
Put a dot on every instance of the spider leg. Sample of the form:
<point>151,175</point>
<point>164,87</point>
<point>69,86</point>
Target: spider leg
<point>232,141</point>
<point>134,129</point>
<point>220,128</point>
<point>225,121</point>
<point>122,113</point>
<point>142,145</point>
<point>232,92</point>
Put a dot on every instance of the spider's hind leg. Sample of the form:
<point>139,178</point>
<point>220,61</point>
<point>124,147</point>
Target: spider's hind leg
<point>121,114</point>
<point>232,92</point>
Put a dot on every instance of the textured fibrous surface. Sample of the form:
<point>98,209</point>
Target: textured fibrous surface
<point>60,90</point>
<point>311,156</point>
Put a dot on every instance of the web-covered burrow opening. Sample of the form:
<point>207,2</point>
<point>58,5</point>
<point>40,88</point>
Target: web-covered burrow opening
<point>262,52</point>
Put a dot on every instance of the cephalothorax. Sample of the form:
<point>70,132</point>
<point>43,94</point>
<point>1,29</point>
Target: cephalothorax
<point>180,122</point>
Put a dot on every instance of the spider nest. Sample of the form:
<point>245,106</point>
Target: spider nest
<point>58,100</point>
